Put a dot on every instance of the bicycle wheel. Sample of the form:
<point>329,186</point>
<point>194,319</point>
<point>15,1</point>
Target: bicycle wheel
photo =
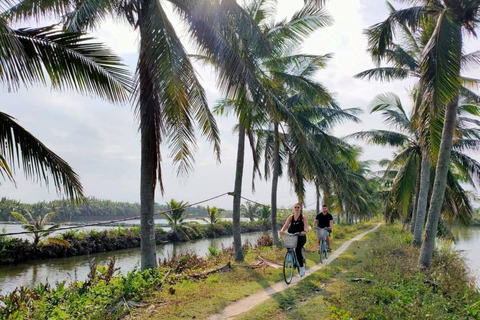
<point>288,266</point>
<point>321,250</point>
<point>325,251</point>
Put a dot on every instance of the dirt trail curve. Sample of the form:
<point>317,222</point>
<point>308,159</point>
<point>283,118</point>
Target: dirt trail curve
<point>237,308</point>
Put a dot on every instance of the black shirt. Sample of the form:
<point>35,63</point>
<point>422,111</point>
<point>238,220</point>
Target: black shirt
<point>323,220</point>
<point>296,225</point>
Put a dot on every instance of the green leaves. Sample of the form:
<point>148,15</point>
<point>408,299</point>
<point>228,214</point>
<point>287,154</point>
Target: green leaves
<point>37,161</point>
<point>70,60</point>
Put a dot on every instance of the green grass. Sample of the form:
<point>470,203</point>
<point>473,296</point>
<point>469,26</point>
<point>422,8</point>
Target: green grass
<point>393,287</point>
<point>209,296</point>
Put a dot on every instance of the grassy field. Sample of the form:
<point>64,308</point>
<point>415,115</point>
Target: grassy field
<point>198,298</point>
<point>378,278</point>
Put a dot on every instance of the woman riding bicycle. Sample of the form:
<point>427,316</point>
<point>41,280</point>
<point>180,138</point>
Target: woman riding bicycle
<point>298,223</point>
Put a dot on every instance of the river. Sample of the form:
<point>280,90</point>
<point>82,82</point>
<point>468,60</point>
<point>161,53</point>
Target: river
<point>31,273</point>
<point>468,242</point>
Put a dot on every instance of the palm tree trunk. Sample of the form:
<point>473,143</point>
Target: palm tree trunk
<point>237,236</point>
<point>149,159</point>
<point>439,185</point>
<point>317,209</point>
<point>422,199</point>
<point>415,203</point>
<point>276,170</point>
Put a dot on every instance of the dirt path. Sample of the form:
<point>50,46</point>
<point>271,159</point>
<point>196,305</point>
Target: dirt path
<point>241,306</point>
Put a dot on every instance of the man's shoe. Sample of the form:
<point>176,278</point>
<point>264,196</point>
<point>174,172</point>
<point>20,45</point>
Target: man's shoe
<point>302,271</point>
<point>329,250</point>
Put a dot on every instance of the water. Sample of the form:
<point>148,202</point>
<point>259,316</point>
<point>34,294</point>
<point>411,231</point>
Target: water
<point>31,273</point>
<point>468,242</point>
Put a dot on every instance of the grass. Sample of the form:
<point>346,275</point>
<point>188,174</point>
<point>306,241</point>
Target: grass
<point>187,299</point>
<point>378,278</point>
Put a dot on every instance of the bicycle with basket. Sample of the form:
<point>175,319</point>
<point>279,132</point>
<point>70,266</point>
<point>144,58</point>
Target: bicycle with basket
<point>322,234</point>
<point>290,262</point>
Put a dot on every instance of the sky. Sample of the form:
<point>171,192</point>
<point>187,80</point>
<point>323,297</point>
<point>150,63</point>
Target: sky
<point>102,143</point>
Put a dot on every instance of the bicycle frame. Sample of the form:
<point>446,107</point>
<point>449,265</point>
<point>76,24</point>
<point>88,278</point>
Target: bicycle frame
<point>322,234</point>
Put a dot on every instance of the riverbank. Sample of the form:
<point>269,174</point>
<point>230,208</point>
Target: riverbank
<point>178,277</point>
<point>376,278</point>
<point>14,250</point>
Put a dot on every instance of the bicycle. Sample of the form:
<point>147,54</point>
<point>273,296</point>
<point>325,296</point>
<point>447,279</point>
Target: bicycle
<point>322,235</point>
<point>290,262</point>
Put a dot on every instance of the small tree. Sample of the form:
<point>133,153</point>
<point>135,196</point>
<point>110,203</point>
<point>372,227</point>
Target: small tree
<point>265,216</point>
<point>250,210</point>
<point>214,215</point>
<point>176,215</point>
<point>38,226</point>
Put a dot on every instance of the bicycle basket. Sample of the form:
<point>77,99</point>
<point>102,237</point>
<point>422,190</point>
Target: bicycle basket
<point>321,233</point>
<point>289,240</point>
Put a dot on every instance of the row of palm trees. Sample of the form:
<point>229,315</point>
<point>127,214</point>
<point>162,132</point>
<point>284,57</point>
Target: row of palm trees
<point>286,116</point>
<point>433,139</point>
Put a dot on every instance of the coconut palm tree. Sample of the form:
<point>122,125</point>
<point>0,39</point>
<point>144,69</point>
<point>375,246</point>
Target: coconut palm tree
<point>168,94</point>
<point>282,36</point>
<point>175,215</point>
<point>408,161</point>
<point>250,210</point>
<point>437,23</point>
<point>38,226</point>
<point>440,80</point>
<point>69,61</point>
<point>213,215</point>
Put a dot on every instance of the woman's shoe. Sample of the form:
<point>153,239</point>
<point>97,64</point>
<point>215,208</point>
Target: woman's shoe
<point>302,271</point>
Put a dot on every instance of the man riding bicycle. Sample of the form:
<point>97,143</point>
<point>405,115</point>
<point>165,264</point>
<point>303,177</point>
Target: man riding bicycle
<point>324,220</point>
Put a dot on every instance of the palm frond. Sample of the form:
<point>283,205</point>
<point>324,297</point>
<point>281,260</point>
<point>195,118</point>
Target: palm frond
<point>441,62</point>
<point>71,61</point>
<point>39,162</point>
<point>175,95</point>
<point>381,137</point>
<point>89,14</point>
<point>384,74</point>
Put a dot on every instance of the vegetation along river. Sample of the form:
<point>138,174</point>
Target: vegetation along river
<point>31,273</point>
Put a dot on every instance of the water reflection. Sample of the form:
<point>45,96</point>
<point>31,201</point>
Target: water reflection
<point>31,273</point>
<point>468,241</point>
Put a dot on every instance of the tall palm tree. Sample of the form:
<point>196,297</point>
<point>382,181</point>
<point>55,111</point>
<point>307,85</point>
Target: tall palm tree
<point>168,95</point>
<point>408,160</point>
<point>440,80</point>
<point>69,60</point>
<point>289,76</point>
<point>252,114</point>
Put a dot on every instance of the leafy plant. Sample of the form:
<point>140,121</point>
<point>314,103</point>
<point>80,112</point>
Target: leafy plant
<point>38,226</point>
<point>214,215</point>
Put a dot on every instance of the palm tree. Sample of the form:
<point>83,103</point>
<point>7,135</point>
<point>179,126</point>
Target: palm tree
<point>408,160</point>
<point>168,95</point>
<point>250,210</point>
<point>253,113</point>
<point>289,77</point>
<point>69,60</point>
<point>214,215</point>
<point>175,215</point>
<point>265,215</point>
<point>38,226</point>
<point>440,81</point>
